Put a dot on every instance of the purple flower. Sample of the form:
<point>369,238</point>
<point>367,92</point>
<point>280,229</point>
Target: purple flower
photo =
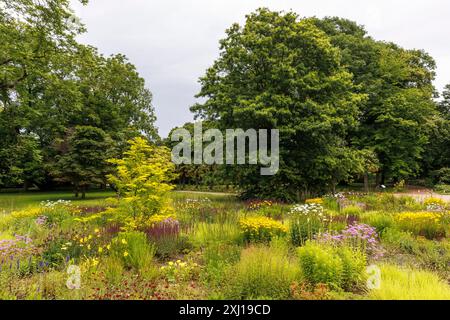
<point>358,235</point>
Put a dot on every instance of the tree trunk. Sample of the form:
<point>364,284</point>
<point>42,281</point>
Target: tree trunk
<point>76,190</point>
<point>378,179</point>
<point>366,182</point>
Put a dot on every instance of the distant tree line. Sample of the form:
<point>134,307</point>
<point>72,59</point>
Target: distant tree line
<point>347,106</point>
<point>64,108</point>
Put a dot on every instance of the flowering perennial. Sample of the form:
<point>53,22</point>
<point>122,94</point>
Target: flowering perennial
<point>357,235</point>
<point>261,228</point>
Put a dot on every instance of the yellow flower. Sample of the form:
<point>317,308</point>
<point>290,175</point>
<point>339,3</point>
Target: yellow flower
<point>125,254</point>
<point>124,241</point>
<point>94,262</point>
<point>100,249</point>
<point>89,247</point>
<point>170,263</point>
<point>96,230</point>
<point>108,247</point>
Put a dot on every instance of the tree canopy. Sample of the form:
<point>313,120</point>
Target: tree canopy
<point>51,85</point>
<point>345,104</point>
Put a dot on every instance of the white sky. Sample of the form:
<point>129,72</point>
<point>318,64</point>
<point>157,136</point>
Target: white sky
<point>172,42</point>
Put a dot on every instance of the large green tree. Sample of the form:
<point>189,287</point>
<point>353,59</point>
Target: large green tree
<point>81,158</point>
<point>396,118</point>
<point>281,72</point>
<point>34,35</point>
<point>49,84</point>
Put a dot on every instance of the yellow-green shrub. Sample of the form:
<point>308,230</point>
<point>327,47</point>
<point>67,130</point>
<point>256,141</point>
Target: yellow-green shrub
<point>409,284</point>
<point>336,267</point>
<point>261,228</point>
<point>352,211</point>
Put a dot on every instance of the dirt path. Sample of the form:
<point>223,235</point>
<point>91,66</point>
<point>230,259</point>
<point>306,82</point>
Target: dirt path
<point>421,194</point>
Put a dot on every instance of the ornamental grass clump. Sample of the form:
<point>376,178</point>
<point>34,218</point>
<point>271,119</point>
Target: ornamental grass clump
<point>339,268</point>
<point>409,284</point>
<point>262,271</point>
<point>204,234</point>
<point>428,224</point>
<point>133,249</point>
<point>319,264</point>
<point>261,229</point>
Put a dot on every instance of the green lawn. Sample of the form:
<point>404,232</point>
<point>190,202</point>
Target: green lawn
<point>16,201</point>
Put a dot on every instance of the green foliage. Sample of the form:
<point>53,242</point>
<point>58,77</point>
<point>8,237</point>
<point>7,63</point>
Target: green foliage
<point>390,202</point>
<point>217,258</point>
<point>353,268</point>
<point>380,220</point>
<point>337,267</point>
<point>279,71</point>
<point>353,211</point>
<point>400,239</point>
<point>133,249</point>
<point>302,228</point>
<point>113,269</point>
<point>442,188</point>
<point>142,179</point>
<point>21,162</point>
<point>320,264</point>
<point>204,234</point>
<point>261,271</point>
<point>396,118</point>
<point>410,284</point>
<point>50,84</point>
<point>79,160</point>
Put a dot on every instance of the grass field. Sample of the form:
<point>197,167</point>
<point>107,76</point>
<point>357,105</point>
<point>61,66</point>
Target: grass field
<point>16,201</point>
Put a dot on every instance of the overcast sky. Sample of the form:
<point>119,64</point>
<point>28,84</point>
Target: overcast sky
<point>172,42</point>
